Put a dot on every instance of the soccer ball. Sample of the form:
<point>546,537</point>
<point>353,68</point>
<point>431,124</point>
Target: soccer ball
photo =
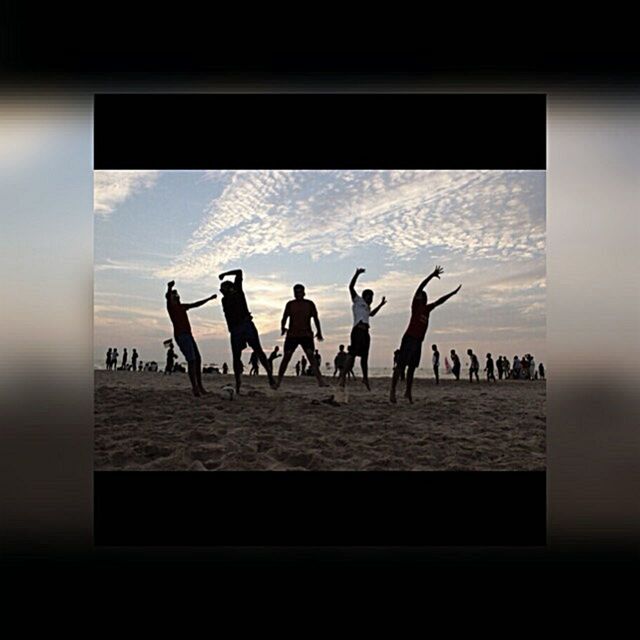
<point>228,392</point>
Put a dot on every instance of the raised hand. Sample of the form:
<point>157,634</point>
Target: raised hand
<point>221,276</point>
<point>171,284</point>
<point>383,301</point>
<point>213,297</point>
<point>360,270</point>
<point>437,271</point>
<point>458,289</point>
<point>320,337</point>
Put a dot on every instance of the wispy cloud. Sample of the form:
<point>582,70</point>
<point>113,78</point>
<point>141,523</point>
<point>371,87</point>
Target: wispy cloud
<point>112,188</point>
<point>480,214</point>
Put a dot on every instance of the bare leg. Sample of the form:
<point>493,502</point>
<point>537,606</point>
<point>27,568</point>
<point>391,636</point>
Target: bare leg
<point>283,366</point>
<point>199,375</point>
<point>435,370</point>
<point>394,384</point>
<point>315,369</point>
<point>191,366</point>
<point>268,367</point>
<point>407,393</point>
<point>364,364</point>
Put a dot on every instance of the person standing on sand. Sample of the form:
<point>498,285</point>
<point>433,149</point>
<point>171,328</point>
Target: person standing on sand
<point>360,340</point>
<point>274,355</point>
<point>298,368</point>
<point>171,358</point>
<point>177,311</point>
<point>108,360</point>
<point>456,364</point>
<point>303,365</point>
<point>489,368</point>
<point>114,359</point>
<point>242,331</point>
<point>134,360</point>
<point>225,369</point>
<point>123,366</point>
<point>300,312</point>
<point>436,362</point>
<point>474,367</point>
<point>339,361</point>
<point>499,367</point>
<point>411,346</point>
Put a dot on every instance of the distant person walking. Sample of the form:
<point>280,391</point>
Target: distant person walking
<point>455,359</point>
<point>411,345</point>
<point>489,368</point>
<point>134,360</point>
<point>299,312</point>
<point>474,367</point>
<point>177,311</point>
<point>171,358</point>
<point>242,330</point>
<point>360,341</point>
<point>499,367</point>
<point>436,362</point>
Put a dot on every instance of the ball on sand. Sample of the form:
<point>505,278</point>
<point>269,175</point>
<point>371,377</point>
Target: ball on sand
<point>228,392</point>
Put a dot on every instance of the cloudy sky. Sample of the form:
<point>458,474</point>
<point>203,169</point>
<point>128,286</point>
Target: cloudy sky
<point>486,228</point>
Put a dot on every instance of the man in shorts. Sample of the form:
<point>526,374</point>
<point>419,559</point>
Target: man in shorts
<point>474,366</point>
<point>360,340</point>
<point>411,346</point>
<point>299,312</point>
<point>182,333</point>
<point>240,323</point>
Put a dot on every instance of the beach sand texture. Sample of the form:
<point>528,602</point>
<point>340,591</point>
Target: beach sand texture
<point>149,421</point>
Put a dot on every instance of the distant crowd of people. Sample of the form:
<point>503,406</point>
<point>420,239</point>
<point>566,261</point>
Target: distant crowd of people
<point>112,360</point>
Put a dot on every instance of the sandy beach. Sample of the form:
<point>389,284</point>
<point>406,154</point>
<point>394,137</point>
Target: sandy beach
<point>149,421</point>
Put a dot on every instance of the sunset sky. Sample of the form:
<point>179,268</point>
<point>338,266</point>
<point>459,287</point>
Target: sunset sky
<point>485,228</point>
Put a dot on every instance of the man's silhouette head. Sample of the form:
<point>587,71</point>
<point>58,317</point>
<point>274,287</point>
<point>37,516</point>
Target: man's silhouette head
<point>298,291</point>
<point>227,288</point>
<point>367,296</point>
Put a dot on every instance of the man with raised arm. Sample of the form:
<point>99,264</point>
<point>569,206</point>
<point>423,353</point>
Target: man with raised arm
<point>182,333</point>
<point>300,312</point>
<point>360,340</point>
<point>240,323</point>
<point>411,346</point>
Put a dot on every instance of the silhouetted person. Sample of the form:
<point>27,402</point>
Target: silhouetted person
<point>298,368</point>
<point>541,371</point>
<point>240,323</point>
<point>489,368</point>
<point>182,334</point>
<point>411,345</point>
<point>274,355</point>
<point>171,358</point>
<point>532,367</point>
<point>499,367</point>
<point>299,312</point>
<point>436,362</point>
<point>474,366</point>
<point>253,361</point>
<point>114,359</point>
<point>124,360</point>
<point>455,359</point>
<point>339,361</point>
<point>303,365</point>
<point>517,367</point>
<point>225,368</point>
<point>134,359</point>
<point>108,360</point>
<point>360,340</point>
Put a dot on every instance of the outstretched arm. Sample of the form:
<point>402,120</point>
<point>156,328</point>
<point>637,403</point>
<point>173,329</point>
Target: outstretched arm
<point>436,274</point>
<point>169,289</point>
<point>283,322</point>
<point>352,284</point>
<point>382,303</point>
<point>193,305</point>
<point>440,301</point>
<point>234,272</point>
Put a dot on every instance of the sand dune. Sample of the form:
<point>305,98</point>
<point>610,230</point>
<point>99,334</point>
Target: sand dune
<point>148,421</point>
